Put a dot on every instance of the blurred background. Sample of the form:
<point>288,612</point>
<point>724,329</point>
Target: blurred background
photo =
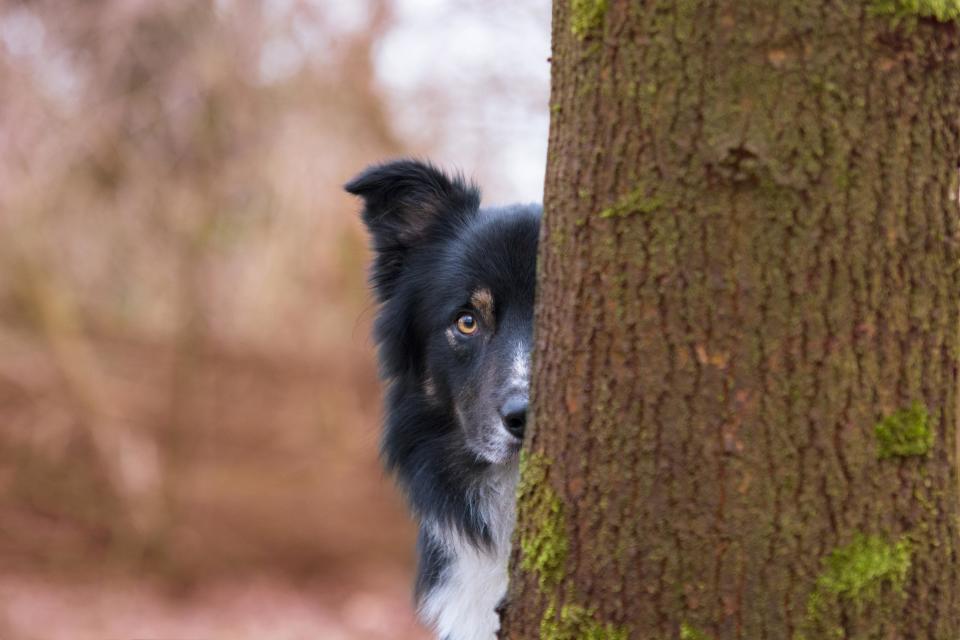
<point>189,403</point>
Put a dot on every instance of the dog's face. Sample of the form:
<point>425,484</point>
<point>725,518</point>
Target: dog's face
<point>479,288</point>
<point>456,286</point>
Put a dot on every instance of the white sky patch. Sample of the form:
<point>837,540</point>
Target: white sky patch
<point>465,83</point>
<point>280,58</point>
<point>471,85</point>
<point>24,36</point>
<point>22,32</point>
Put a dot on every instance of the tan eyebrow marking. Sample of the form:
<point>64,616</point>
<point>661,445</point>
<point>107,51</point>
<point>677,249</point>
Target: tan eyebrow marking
<point>482,301</point>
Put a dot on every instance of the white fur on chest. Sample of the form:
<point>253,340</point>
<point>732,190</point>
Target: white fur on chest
<point>462,606</point>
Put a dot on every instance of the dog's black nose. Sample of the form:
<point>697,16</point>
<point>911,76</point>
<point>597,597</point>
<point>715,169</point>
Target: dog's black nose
<point>514,415</point>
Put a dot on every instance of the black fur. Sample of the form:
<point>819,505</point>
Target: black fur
<point>431,561</point>
<point>433,248</point>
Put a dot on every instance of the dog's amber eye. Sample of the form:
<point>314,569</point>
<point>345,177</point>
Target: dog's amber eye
<point>467,324</point>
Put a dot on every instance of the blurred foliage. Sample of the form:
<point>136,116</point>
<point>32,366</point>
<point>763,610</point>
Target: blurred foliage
<point>187,389</point>
<point>185,380</point>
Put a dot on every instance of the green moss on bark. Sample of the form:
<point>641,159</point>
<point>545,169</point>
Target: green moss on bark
<point>634,202</point>
<point>941,10</point>
<point>858,571</point>
<point>544,548</point>
<point>586,16</point>
<point>905,433</point>
<point>805,235</point>
<point>689,632</point>
<point>577,623</point>
<point>543,551</point>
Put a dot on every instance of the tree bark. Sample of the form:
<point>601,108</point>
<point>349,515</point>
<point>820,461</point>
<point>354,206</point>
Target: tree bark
<point>746,328</point>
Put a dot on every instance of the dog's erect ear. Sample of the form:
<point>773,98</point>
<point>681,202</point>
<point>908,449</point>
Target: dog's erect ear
<point>403,200</point>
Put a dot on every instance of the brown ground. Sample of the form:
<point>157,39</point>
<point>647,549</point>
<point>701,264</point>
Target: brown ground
<point>34,607</point>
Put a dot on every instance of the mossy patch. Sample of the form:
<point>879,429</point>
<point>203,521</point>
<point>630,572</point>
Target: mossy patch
<point>634,202</point>
<point>905,433</point>
<point>858,571</point>
<point>577,623</point>
<point>544,548</point>
<point>586,16</point>
<point>941,10</point>
<point>689,632</point>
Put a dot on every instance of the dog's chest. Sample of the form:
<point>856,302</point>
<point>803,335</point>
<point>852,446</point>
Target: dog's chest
<point>462,605</point>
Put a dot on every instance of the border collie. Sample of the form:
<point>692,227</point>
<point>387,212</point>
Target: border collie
<point>455,285</point>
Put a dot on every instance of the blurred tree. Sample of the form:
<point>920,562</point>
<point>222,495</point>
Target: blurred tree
<point>746,398</point>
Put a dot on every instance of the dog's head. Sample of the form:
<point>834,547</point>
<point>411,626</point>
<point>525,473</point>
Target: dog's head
<point>456,287</point>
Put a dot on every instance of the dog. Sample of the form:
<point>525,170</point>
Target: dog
<point>455,286</point>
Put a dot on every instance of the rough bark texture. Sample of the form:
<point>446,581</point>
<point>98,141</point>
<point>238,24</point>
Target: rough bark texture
<point>747,327</point>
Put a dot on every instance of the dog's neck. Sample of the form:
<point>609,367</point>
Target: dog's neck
<point>462,606</point>
<point>497,497</point>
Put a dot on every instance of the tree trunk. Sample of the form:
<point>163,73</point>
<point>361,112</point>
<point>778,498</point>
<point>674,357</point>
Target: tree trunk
<point>747,327</point>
